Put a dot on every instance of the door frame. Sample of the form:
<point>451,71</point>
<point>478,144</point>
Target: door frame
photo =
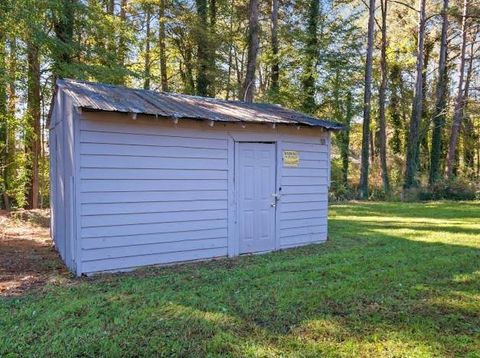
<point>233,163</point>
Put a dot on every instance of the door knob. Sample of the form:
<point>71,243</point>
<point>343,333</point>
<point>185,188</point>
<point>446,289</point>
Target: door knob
<point>273,205</point>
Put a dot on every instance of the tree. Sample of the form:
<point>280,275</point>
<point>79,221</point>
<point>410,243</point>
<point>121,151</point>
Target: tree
<point>248,88</point>
<point>10,169</point>
<point>274,87</point>
<point>122,42</point>
<point>344,139</point>
<point>203,51</point>
<point>469,135</point>
<point>147,61</point>
<point>413,140</point>
<point>363,187</point>
<point>212,49</point>
<point>382,131</point>
<point>440,100</point>
<point>33,135</point>
<point>64,15</point>
<point>3,121</point>
<point>231,16</point>
<point>161,46</point>
<point>425,122</point>
<point>458,111</point>
<point>311,51</point>
<point>395,110</point>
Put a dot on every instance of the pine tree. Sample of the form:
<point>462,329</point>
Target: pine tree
<point>413,140</point>
<point>363,187</point>
<point>440,100</point>
<point>248,88</point>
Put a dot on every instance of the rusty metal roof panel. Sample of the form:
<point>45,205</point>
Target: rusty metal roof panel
<point>104,97</point>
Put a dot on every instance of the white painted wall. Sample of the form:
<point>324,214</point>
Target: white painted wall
<point>150,194</point>
<point>304,202</point>
<point>62,199</point>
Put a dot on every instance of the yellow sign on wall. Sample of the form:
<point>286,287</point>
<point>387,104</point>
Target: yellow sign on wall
<point>290,158</point>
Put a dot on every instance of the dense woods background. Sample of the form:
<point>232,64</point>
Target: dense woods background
<point>402,76</point>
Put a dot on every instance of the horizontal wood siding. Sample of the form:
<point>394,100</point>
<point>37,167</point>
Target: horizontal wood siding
<point>304,201</point>
<point>153,193</point>
<point>62,163</point>
<point>150,194</point>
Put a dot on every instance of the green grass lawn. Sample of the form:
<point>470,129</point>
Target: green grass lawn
<point>394,280</point>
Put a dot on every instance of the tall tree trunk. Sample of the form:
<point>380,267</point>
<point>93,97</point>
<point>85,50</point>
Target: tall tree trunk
<point>372,147</point>
<point>248,88</point>
<point>32,138</point>
<point>275,61</point>
<point>239,70</point>
<point>3,122</point>
<point>111,45</point>
<point>111,7</point>
<point>440,100</point>
<point>469,135</point>
<point>212,48</point>
<point>189,81</point>
<point>203,77</point>
<point>122,48</point>
<point>162,47</point>
<point>10,169</point>
<point>230,50</point>
<point>413,142</point>
<point>363,187</point>
<point>423,154</point>
<point>382,132</point>
<point>147,65</point>
<point>458,112</point>
<point>478,151</point>
<point>395,108</point>
<point>311,51</point>
<point>344,139</point>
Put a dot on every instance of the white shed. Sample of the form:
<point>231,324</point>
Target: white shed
<point>140,177</point>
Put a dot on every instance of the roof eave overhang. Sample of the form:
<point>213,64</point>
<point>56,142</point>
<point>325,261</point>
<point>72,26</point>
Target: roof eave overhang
<point>157,115</point>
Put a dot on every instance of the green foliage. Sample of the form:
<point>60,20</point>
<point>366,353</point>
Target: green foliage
<point>393,280</point>
<point>339,190</point>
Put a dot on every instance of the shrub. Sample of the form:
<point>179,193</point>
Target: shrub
<point>340,192</point>
<point>454,189</point>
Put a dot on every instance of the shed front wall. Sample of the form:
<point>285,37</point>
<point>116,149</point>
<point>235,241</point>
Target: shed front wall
<point>152,192</point>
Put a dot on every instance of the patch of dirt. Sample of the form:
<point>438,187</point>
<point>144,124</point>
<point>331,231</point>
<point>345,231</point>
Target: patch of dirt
<point>28,259</point>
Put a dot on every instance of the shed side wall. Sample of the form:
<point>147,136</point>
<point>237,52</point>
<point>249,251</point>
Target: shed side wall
<point>62,174</point>
<point>56,177</point>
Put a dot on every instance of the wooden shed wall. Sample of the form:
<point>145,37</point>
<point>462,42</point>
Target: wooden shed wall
<point>62,170</point>
<point>151,192</point>
<point>304,203</point>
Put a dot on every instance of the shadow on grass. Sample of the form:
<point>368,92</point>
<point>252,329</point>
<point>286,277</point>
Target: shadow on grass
<point>368,291</point>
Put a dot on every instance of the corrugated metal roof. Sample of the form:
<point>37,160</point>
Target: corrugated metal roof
<point>103,97</point>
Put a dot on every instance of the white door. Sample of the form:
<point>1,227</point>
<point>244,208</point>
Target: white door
<point>255,182</point>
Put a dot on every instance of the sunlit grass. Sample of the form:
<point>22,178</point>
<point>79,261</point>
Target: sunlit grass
<point>393,280</point>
